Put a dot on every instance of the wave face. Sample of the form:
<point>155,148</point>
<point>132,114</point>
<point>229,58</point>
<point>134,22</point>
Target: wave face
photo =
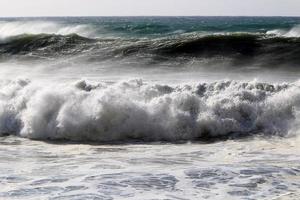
<point>238,41</point>
<point>239,48</point>
<point>134,110</point>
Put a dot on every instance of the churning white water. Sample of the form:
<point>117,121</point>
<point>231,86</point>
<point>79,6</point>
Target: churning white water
<point>145,111</point>
<point>258,168</point>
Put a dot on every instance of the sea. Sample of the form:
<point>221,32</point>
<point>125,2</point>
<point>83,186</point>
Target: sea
<point>150,108</point>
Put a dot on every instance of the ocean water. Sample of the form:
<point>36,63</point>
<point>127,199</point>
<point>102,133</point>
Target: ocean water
<point>150,108</point>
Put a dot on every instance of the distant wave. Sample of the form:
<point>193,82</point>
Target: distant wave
<point>239,48</point>
<point>16,28</point>
<point>134,110</point>
<point>293,32</point>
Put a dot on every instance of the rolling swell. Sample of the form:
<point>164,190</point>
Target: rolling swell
<point>134,110</point>
<point>43,44</point>
<point>240,48</point>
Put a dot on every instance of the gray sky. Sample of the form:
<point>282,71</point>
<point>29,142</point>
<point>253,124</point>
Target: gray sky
<point>148,7</point>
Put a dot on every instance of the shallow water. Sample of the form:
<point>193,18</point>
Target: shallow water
<point>242,169</point>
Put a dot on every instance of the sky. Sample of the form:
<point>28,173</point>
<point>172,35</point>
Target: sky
<point>11,8</point>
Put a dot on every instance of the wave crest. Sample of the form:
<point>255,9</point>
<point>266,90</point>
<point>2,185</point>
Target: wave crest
<point>134,110</point>
<point>14,28</point>
<point>293,32</point>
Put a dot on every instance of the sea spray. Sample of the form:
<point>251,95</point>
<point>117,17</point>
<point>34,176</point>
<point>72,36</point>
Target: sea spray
<point>134,110</point>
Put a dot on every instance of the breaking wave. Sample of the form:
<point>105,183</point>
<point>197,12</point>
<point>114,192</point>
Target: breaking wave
<point>293,32</point>
<point>134,110</point>
<point>15,28</point>
<point>239,48</point>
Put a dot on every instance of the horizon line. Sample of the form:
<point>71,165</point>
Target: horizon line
<point>49,16</point>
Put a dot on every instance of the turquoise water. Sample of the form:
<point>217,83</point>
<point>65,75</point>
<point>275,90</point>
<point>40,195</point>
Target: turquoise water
<point>161,26</point>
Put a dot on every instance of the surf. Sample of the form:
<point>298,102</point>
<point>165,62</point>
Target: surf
<point>134,110</point>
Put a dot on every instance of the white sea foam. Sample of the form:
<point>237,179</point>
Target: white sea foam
<point>247,169</point>
<point>149,112</point>
<point>14,28</point>
<point>293,32</point>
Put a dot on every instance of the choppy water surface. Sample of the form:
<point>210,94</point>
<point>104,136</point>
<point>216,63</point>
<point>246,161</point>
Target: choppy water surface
<point>242,169</point>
